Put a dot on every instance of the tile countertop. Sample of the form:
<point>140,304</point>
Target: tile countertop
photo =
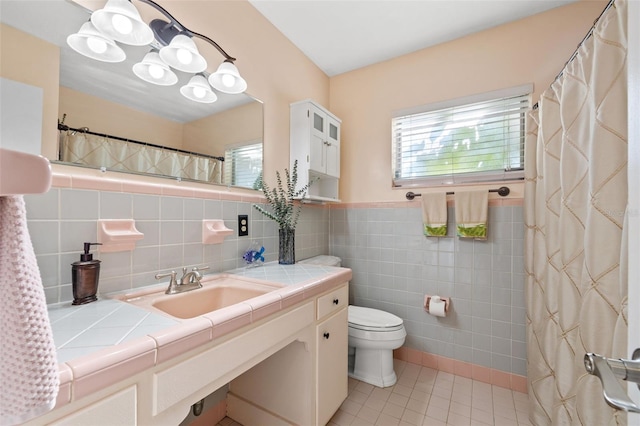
<point>105,341</point>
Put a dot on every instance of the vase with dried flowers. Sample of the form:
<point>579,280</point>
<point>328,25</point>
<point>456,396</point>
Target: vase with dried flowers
<point>284,211</point>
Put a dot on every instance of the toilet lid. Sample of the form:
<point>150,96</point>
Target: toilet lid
<point>373,319</point>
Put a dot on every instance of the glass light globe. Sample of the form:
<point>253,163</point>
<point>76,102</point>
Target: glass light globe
<point>184,56</point>
<point>96,45</point>
<point>228,80</point>
<point>122,24</point>
<point>156,71</point>
<point>199,92</point>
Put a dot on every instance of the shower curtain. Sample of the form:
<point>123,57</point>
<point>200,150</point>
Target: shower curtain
<point>575,199</point>
<point>115,154</point>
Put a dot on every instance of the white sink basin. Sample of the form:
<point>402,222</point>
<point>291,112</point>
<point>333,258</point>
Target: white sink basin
<point>218,292</point>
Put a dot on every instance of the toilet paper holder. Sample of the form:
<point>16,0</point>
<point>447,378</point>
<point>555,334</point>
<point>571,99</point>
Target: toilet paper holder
<point>446,300</point>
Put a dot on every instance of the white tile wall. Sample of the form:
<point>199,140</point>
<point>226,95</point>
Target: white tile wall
<point>61,220</point>
<point>394,266</point>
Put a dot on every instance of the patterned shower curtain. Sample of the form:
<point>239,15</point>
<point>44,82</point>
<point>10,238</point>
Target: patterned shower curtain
<point>115,154</point>
<point>575,200</point>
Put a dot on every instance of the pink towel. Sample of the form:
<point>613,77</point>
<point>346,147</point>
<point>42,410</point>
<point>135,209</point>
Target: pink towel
<point>29,378</point>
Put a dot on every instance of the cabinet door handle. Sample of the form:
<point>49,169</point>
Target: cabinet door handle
<point>326,335</point>
<point>327,143</point>
<point>336,301</point>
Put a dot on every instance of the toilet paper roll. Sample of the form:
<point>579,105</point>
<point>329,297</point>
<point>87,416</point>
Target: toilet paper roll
<point>437,306</point>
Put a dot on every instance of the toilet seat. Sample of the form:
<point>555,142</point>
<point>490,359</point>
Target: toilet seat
<point>375,329</point>
<point>368,319</point>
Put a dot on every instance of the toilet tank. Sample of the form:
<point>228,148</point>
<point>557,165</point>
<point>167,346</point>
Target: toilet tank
<point>323,260</point>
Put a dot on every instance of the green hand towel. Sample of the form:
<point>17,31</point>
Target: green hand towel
<point>434,214</point>
<point>471,214</point>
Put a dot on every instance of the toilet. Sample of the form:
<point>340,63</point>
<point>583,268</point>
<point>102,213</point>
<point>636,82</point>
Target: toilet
<point>373,335</point>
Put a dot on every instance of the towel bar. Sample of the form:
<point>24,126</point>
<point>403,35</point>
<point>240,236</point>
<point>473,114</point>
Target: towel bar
<point>503,191</point>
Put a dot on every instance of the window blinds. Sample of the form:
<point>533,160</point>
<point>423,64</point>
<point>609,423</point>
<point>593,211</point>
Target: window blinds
<point>243,164</point>
<point>467,142</point>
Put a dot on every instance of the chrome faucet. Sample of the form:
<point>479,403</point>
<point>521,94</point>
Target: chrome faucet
<point>189,281</point>
<point>192,277</point>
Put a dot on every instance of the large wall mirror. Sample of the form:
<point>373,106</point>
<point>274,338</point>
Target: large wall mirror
<point>111,119</point>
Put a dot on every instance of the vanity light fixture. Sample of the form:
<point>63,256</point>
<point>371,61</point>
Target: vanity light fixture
<point>120,21</point>
<point>198,90</point>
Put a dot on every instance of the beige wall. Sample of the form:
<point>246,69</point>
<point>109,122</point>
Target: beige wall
<point>531,50</point>
<point>39,68</point>
<point>212,134</point>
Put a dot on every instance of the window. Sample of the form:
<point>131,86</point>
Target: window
<point>243,164</point>
<point>474,139</point>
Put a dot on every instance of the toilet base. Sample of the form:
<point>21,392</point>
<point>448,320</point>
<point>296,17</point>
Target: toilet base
<point>381,383</point>
<point>373,366</point>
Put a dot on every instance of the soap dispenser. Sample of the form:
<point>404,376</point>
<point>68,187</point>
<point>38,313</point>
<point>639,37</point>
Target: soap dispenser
<point>84,277</point>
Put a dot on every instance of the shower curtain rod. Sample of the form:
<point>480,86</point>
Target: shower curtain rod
<point>575,52</point>
<point>64,127</point>
<point>503,191</point>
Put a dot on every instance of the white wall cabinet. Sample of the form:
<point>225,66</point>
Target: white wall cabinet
<point>315,144</point>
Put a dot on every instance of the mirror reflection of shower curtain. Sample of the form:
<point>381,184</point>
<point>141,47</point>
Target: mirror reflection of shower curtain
<point>575,202</point>
<point>101,151</point>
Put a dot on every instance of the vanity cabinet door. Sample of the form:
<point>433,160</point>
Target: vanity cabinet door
<point>117,409</point>
<point>331,373</point>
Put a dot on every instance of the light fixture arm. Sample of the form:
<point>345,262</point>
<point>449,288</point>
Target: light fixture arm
<point>184,30</point>
<point>216,45</point>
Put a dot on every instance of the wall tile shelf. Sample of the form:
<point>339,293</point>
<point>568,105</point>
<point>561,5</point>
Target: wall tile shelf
<point>214,231</point>
<point>118,235</point>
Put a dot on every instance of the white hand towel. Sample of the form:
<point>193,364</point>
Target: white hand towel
<point>434,214</point>
<point>471,214</point>
<point>29,378</point>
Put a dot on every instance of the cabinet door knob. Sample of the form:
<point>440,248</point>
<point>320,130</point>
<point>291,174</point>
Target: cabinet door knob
<point>326,335</point>
<point>336,301</point>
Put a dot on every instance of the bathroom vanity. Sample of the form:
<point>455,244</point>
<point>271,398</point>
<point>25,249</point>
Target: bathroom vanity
<point>284,353</point>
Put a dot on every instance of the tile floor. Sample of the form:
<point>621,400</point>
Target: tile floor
<point>426,397</point>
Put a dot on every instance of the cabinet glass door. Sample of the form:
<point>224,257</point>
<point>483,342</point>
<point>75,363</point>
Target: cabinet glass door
<point>318,122</point>
<point>332,148</point>
<point>333,132</point>
<point>317,162</point>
